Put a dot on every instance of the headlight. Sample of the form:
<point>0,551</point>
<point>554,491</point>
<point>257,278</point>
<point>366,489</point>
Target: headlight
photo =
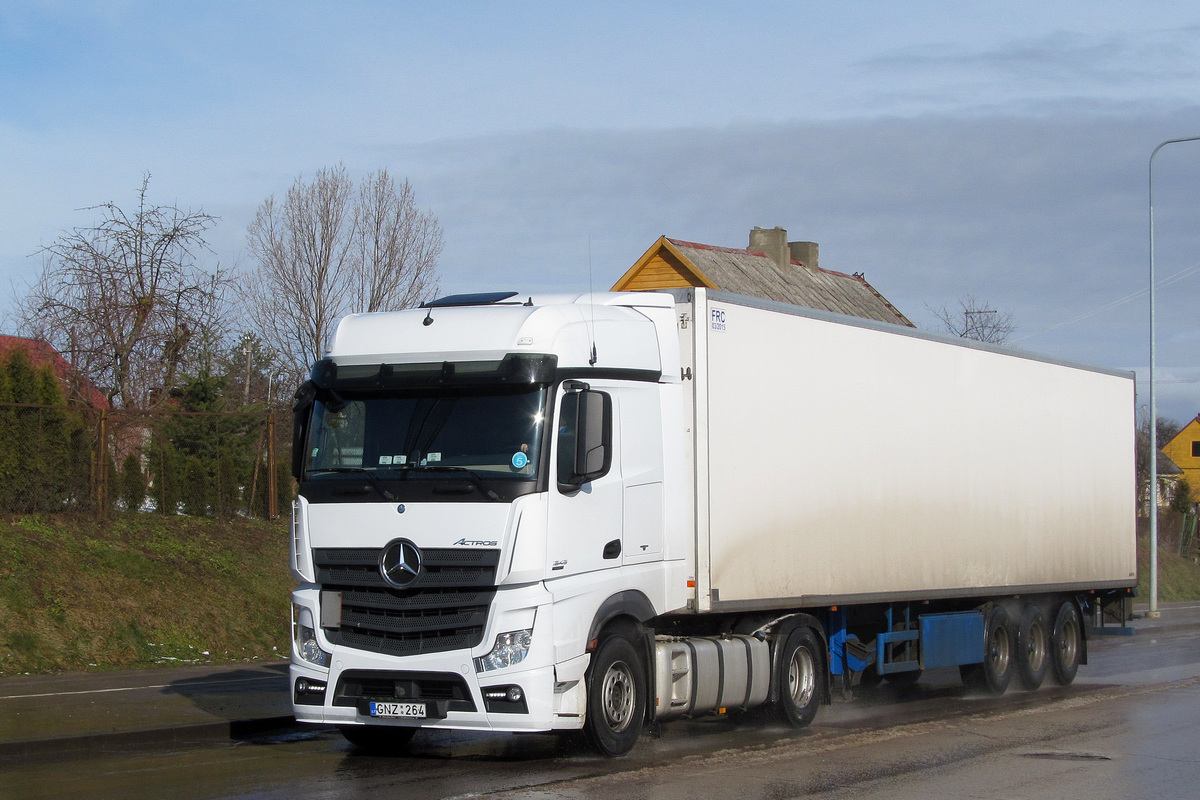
<point>304,636</point>
<point>511,648</point>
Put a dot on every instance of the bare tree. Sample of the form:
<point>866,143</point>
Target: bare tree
<point>125,300</point>
<point>327,251</point>
<point>974,320</point>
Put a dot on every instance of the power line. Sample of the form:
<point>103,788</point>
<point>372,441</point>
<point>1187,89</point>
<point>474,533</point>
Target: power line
<point>1167,281</point>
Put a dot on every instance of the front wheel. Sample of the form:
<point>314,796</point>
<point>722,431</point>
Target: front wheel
<point>616,697</point>
<point>800,678</point>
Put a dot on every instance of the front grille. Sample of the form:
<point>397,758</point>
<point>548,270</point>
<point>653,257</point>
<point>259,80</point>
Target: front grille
<point>445,607</point>
<point>355,686</point>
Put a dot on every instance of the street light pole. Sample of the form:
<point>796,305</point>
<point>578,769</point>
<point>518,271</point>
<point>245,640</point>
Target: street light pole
<point>1154,612</point>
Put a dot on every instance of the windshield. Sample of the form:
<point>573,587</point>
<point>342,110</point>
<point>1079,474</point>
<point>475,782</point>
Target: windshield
<point>484,438</point>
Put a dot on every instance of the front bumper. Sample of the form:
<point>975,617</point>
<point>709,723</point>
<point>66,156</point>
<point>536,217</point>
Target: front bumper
<point>457,697</point>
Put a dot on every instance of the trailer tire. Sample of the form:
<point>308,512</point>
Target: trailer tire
<point>800,676</point>
<point>616,696</point>
<point>378,739</point>
<point>1033,647</point>
<point>1066,644</point>
<point>994,674</point>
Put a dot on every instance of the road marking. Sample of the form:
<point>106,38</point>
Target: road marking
<point>136,688</point>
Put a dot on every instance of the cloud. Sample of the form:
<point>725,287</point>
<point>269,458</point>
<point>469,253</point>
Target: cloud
<point>1055,66</point>
<point>1046,217</point>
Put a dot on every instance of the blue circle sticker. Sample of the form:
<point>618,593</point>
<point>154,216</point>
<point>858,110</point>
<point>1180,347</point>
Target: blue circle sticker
<point>519,460</point>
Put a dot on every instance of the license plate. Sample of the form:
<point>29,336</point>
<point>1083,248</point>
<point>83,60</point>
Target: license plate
<point>399,710</point>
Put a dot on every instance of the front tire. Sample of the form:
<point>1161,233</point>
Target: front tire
<point>800,678</point>
<point>616,697</point>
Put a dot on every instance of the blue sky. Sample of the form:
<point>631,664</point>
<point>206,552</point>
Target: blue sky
<point>942,148</point>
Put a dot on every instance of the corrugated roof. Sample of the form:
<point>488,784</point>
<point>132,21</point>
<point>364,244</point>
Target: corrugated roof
<point>753,273</point>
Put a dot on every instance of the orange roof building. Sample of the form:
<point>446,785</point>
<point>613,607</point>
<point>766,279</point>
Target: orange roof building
<point>75,384</point>
<point>770,268</point>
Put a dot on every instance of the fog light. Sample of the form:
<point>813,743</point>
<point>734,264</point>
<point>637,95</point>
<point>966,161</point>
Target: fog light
<point>504,700</point>
<point>309,692</point>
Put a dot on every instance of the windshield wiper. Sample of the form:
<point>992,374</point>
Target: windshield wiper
<point>370,475</point>
<point>474,477</point>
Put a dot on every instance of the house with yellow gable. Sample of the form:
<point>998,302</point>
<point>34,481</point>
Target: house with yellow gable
<point>770,268</point>
<point>1184,450</point>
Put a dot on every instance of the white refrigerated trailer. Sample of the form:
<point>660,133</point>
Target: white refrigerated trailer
<point>594,512</point>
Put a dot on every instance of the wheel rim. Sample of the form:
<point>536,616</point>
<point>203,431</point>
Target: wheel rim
<point>1069,642</point>
<point>999,652</point>
<point>1037,646</point>
<point>802,677</point>
<point>618,694</point>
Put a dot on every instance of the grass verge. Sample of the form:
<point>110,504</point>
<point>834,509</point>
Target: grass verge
<point>141,589</point>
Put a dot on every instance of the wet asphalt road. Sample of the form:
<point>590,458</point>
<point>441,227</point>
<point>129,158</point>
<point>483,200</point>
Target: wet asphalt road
<point>1128,727</point>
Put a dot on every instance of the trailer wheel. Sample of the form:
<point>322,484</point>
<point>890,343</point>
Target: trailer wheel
<point>1066,644</point>
<point>800,678</point>
<point>994,674</point>
<point>1032,647</point>
<point>616,697</point>
<point>379,739</point>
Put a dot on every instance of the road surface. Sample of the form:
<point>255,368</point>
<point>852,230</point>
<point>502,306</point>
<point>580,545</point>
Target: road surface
<point>1126,728</point>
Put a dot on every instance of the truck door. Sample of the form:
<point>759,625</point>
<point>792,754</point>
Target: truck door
<point>585,520</point>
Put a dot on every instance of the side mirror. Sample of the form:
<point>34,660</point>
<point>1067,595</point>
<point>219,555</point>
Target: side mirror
<point>585,438</point>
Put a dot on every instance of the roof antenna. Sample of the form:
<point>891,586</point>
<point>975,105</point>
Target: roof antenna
<point>591,302</point>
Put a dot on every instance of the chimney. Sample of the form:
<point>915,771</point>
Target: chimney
<point>775,245</point>
<point>804,252</point>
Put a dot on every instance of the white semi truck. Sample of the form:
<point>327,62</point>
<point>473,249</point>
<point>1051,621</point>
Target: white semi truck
<point>598,512</point>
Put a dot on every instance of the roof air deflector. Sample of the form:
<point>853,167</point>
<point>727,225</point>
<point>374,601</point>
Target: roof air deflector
<point>477,299</point>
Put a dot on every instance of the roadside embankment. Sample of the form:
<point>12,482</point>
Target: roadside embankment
<point>78,594</point>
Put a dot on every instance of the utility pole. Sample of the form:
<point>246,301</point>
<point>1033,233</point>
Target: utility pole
<point>1154,612</point>
<point>246,388</point>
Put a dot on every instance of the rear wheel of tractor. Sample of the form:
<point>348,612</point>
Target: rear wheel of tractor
<point>1066,644</point>
<point>616,697</point>
<point>1033,647</point>
<point>994,674</point>
<point>378,739</point>
<point>800,677</point>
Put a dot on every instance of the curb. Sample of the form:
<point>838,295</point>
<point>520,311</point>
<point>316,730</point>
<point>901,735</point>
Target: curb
<point>157,739</point>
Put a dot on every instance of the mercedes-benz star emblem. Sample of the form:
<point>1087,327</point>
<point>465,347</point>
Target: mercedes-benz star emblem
<point>400,563</point>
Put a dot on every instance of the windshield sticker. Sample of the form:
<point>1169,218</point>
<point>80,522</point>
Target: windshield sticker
<point>433,457</point>
<point>385,460</point>
<point>519,460</point>
<point>399,459</point>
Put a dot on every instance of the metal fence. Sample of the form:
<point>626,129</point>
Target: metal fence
<point>62,458</point>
